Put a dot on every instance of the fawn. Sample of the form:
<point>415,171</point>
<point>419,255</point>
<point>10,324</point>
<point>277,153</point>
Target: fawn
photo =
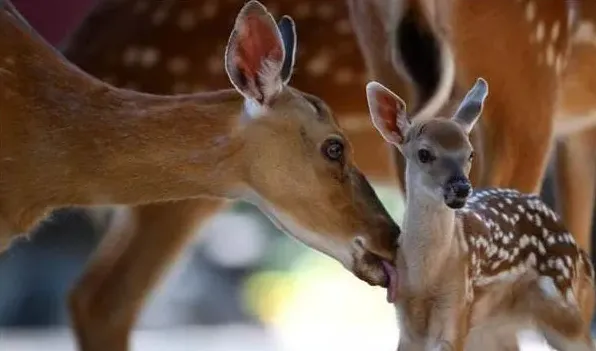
<point>474,268</point>
<point>539,61</point>
<point>71,140</point>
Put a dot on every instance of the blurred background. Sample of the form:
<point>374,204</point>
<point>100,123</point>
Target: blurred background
<point>241,284</point>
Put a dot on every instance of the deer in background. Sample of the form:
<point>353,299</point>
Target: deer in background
<point>262,141</point>
<point>538,57</point>
<point>475,269</point>
<point>150,46</point>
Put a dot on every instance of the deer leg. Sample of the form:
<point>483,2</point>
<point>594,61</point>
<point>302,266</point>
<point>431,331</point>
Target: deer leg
<point>576,185</point>
<point>517,162</point>
<point>561,322</point>
<point>495,334</point>
<point>106,301</point>
<point>409,345</point>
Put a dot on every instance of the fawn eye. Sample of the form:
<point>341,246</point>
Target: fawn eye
<point>471,157</point>
<point>425,156</point>
<point>333,149</point>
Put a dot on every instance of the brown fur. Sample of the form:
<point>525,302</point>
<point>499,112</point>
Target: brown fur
<point>189,37</point>
<point>70,140</point>
<point>531,102</point>
<point>503,261</point>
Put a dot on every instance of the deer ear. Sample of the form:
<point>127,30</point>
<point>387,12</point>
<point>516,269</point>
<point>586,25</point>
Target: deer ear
<point>388,113</point>
<point>287,28</point>
<point>470,109</point>
<point>255,55</point>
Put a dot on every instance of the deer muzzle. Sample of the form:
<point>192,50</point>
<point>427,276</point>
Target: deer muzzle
<point>456,191</point>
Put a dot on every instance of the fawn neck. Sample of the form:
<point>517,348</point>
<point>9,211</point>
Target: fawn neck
<point>429,234</point>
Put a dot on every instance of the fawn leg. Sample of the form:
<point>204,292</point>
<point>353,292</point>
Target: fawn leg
<point>495,334</point>
<point>106,301</point>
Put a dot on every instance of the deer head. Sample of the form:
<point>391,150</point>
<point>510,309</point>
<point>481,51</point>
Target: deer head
<point>263,141</point>
<point>438,150</point>
<point>301,172</point>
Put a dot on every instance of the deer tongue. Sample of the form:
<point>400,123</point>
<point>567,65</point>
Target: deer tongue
<point>391,273</point>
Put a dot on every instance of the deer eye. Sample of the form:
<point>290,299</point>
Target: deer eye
<point>471,157</point>
<point>425,156</point>
<point>333,149</point>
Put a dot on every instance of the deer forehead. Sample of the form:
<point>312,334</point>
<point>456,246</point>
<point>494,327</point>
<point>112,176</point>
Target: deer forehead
<point>440,133</point>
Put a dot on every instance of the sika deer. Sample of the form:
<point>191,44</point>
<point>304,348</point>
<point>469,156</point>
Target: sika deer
<point>71,140</point>
<point>475,268</point>
<point>538,56</point>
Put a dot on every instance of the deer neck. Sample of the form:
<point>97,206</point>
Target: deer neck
<point>429,235</point>
<point>97,144</point>
<point>136,148</point>
<point>184,146</point>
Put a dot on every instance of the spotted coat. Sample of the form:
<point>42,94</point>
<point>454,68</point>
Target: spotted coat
<point>509,233</point>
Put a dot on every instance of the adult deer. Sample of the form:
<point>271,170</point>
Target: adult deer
<point>262,141</point>
<point>475,269</point>
<point>131,44</point>
<point>537,56</point>
<point>148,46</point>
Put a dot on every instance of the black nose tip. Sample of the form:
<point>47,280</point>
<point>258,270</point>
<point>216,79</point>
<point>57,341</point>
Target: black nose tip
<point>460,186</point>
<point>462,189</point>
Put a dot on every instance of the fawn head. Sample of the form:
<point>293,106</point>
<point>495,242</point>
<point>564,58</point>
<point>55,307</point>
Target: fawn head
<point>438,150</point>
<point>299,167</point>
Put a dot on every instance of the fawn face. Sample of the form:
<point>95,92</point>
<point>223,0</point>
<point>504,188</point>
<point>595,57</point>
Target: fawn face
<point>438,150</point>
<point>300,171</point>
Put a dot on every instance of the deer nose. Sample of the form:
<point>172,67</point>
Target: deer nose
<point>461,186</point>
<point>462,189</point>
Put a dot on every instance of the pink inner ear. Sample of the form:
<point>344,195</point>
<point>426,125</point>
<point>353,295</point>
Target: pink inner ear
<point>388,111</point>
<point>257,41</point>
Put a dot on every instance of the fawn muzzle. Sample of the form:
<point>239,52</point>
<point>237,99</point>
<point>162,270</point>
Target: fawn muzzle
<point>456,191</point>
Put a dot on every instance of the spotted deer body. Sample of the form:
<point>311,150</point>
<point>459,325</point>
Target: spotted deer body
<point>536,55</point>
<point>150,46</point>
<point>476,268</point>
<point>69,139</point>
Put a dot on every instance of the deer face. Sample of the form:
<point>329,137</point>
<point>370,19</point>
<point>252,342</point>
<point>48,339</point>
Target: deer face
<point>301,172</point>
<point>438,151</point>
<point>439,154</point>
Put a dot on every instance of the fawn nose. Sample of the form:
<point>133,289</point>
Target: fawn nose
<point>462,188</point>
<point>457,190</point>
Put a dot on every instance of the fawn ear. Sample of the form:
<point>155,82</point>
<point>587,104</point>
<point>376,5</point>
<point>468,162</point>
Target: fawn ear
<point>388,113</point>
<point>287,29</point>
<point>470,109</point>
<point>255,55</point>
